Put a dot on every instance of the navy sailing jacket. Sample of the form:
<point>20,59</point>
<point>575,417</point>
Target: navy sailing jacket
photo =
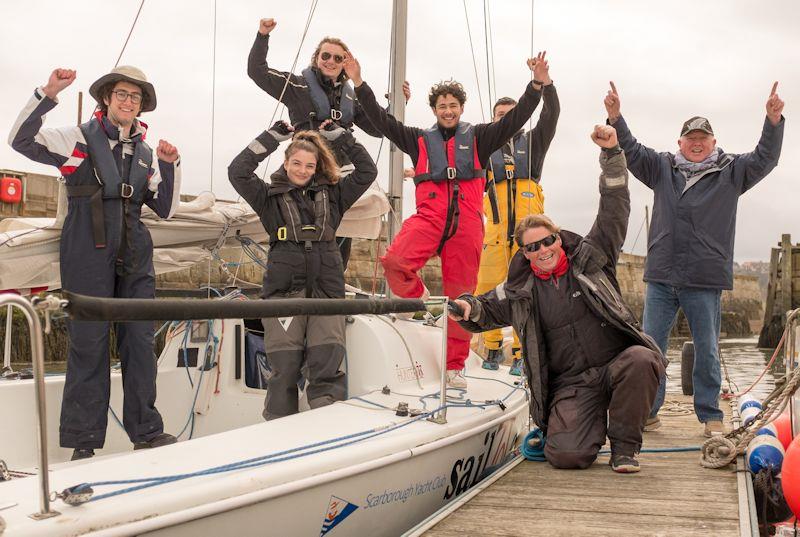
<point>692,232</point>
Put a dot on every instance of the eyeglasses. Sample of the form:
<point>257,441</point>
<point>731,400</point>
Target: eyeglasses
<point>123,95</point>
<point>327,56</point>
<point>547,241</point>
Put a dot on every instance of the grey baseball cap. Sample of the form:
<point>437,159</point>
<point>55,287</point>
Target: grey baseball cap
<point>696,123</point>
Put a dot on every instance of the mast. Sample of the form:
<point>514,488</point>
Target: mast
<point>397,104</point>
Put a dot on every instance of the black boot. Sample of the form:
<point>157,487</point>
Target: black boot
<point>80,453</point>
<point>163,439</point>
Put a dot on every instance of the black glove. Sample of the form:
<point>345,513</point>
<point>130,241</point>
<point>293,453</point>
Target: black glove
<point>281,131</point>
<point>332,131</point>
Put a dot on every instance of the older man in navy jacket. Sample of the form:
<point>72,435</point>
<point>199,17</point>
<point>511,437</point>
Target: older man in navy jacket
<point>690,246</point>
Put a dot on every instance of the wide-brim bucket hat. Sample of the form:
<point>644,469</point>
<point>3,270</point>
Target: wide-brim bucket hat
<point>131,74</point>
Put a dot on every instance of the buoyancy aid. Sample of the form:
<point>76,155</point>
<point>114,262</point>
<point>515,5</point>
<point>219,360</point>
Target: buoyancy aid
<point>344,114</point>
<point>294,230</point>
<point>452,160</point>
<point>110,180</point>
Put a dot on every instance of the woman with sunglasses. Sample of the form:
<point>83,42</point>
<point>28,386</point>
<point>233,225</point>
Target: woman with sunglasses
<point>320,93</point>
<point>300,210</point>
<point>585,355</point>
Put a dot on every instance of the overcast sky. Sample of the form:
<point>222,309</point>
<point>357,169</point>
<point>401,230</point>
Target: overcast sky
<point>670,61</point>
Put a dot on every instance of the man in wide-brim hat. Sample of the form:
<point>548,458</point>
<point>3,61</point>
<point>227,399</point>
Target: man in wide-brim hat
<point>106,251</point>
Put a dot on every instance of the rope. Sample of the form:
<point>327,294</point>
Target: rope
<point>489,60</point>
<point>474,62</point>
<point>130,32</point>
<point>530,119</point>
<point>768,367</point>
<point>719,451</point>
<point>633,248</point>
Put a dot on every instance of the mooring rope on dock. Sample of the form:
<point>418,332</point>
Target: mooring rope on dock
<point>720,451</point>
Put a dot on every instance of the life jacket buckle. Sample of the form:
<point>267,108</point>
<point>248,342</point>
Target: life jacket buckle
<point>308,246</point>
<point>336,115</point>
<point>282,233</point>
<point>451,173</point>
<point>509,173</point>
<point>125,191</point>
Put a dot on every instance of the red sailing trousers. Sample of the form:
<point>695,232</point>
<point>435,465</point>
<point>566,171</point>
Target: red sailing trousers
<point>419,239</point>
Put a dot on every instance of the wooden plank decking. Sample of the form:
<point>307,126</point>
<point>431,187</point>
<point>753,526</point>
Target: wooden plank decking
<point>672,495</point>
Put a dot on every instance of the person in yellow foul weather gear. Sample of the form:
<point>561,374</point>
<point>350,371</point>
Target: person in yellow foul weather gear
<point>513,191</point>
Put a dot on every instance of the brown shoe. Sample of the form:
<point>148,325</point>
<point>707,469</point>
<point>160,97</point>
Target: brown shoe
<point>713,428</point>
<point>652,424</point>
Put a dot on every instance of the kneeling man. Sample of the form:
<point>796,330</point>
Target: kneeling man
<point>592,371</point>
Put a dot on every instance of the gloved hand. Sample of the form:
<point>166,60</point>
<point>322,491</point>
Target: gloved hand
<point>281,131</point>
<point>331,131</point>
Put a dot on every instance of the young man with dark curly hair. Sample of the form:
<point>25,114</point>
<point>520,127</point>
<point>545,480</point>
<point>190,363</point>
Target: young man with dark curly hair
<point>449,160</point>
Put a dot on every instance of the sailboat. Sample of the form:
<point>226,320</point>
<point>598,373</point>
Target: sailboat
<point>400,447</point>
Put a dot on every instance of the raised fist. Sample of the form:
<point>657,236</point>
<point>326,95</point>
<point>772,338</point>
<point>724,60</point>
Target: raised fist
<point>605,136</point>
<point>59,79</point>
<point>265,26</point>
<point>166,151</point>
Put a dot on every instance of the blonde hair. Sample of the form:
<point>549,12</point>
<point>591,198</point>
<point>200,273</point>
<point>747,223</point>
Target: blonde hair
<point>332,41</point>
<point>531,221</point>
<point>314,143</point>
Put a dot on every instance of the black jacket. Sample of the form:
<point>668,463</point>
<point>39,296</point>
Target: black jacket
<point>296,97</point>
<point>593,260</point>
<point>290,266</point>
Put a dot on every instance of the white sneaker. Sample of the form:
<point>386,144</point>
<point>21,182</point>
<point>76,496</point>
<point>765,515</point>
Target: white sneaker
<point>408,315</point>
<point>455,379</point>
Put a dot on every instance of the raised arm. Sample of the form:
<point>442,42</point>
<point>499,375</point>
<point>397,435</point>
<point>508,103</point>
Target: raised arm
<point>270,80</point>
<point>164,184</point>
<point>491,136</point>
<point>356,183</point>
<point>643,162</point>
<point>542,134</point>
<point>611,224</point>
<point>64,148</point>
<point>403,137</point>
<point>764,158</point>
<point>241,170</point>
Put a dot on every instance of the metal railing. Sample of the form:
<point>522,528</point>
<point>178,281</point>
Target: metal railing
<point>37,357</point>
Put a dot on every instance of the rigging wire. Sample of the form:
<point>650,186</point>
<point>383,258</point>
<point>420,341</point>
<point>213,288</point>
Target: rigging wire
<point>492,88</point>
<point>213,94</point>
<point>530,119</point>
<point>311,11</point>
<point>130,32</point>
<point>474,62</point>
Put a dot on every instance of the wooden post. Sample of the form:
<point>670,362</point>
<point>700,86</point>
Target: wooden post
<point>80,107</point>
<point>772,286</point>
<point>786,273</point>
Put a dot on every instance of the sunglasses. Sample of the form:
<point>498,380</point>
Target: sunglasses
<point>327,56</point>
<point>547,241</point>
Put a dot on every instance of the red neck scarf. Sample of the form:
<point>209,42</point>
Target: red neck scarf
<point>559,270</point>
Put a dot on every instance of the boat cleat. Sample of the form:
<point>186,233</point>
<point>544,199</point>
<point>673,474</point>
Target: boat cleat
<point>74,495</point>
<point>5,475</point>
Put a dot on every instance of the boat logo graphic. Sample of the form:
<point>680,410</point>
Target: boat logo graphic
<point>285,322</point>
<point>338,510</point>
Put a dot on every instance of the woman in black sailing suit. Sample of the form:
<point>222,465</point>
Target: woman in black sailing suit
<point>300,210</point>
<point>322,92</point>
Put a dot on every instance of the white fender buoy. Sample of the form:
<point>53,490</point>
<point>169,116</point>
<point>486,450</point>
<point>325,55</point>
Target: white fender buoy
<point>768,429</point>
<point>748,401</point>
<point>749,414</point>
<point>764,451</point>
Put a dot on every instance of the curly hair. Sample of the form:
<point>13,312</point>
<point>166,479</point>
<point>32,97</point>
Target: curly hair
<point>531,221</point>
<point>444,88</point>
<point>333,41</point>
<point>105,93</point>
<point>312,142</point>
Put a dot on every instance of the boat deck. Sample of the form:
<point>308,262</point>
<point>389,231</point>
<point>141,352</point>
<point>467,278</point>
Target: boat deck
<point>672,495</point>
